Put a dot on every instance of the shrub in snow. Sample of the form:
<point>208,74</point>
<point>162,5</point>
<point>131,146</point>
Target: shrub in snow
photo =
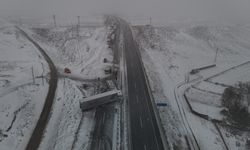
<point>237,101</point>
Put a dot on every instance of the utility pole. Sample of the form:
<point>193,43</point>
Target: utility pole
<point>78,27</point>
<point>150,21</point>
<point>54,19</point>
<point>33,76</point>
<point>20,21</point>
<point>216,54</point>
<point>78,20</point>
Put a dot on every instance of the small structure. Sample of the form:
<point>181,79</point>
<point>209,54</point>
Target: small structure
<point>67,70</point>
<point>108,70</point>
<point>105,60</point>
<point>194,71</point>
<point>99,99</point>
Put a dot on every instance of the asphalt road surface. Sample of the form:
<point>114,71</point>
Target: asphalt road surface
<point>37,134</point>
<point>144,131</point>
<point>97,141</point>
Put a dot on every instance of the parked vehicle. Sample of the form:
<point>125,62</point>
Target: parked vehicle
<point>161,104</point>
<point>67,70</point>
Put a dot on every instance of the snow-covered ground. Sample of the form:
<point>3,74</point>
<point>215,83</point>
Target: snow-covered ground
<point>233,76</point>
<point>210,87</point>
<point>67,118</point>
<point>69,127</point>
<point>21,99</point>
<point>236,139</point>
<point>205,103</point>
<point>171,52</point>
<point>79,54</point>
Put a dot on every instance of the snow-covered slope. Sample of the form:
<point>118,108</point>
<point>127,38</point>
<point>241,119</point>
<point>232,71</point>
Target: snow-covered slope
<point>21,99</point>
<point>190,47</point>
<point>78,54</point>
<point>170,53</point>
<point>69,127</point>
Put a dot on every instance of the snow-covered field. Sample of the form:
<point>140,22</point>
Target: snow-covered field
<point>205,103</point>
<point>21,99</point>
<point>171,52</point>
<point>210,87</point>
<point>233,76</point>
<point>67,118</point>
<point>83,54</point>
<point>79,54</point>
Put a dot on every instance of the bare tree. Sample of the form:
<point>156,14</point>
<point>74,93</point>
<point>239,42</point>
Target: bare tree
<point>236,100</point>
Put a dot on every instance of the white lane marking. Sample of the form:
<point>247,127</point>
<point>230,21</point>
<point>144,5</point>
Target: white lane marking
<point>135,84</point>
<point>145,147</point>
<point>140,122</point>
<point>137,99</point>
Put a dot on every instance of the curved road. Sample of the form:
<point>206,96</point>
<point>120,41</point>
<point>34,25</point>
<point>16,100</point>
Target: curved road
<point>191,139</point>
<point>37,134</point>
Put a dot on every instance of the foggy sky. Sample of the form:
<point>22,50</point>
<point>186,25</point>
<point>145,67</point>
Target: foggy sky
<point>169,9</point>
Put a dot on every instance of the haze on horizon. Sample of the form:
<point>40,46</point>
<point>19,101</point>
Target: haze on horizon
<point>170,10</point>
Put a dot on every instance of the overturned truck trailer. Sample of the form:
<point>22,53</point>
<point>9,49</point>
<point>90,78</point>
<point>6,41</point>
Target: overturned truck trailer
<point>99,99</point>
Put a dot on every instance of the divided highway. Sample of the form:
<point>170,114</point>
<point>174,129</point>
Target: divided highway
<point>99,140</point>
<point>143,128</point>
<point>37,134</point>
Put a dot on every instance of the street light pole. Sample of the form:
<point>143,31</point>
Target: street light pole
<point>78,26</point>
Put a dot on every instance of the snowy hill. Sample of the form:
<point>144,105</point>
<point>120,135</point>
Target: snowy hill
<point>170,53</point>
<point>21,98</point>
